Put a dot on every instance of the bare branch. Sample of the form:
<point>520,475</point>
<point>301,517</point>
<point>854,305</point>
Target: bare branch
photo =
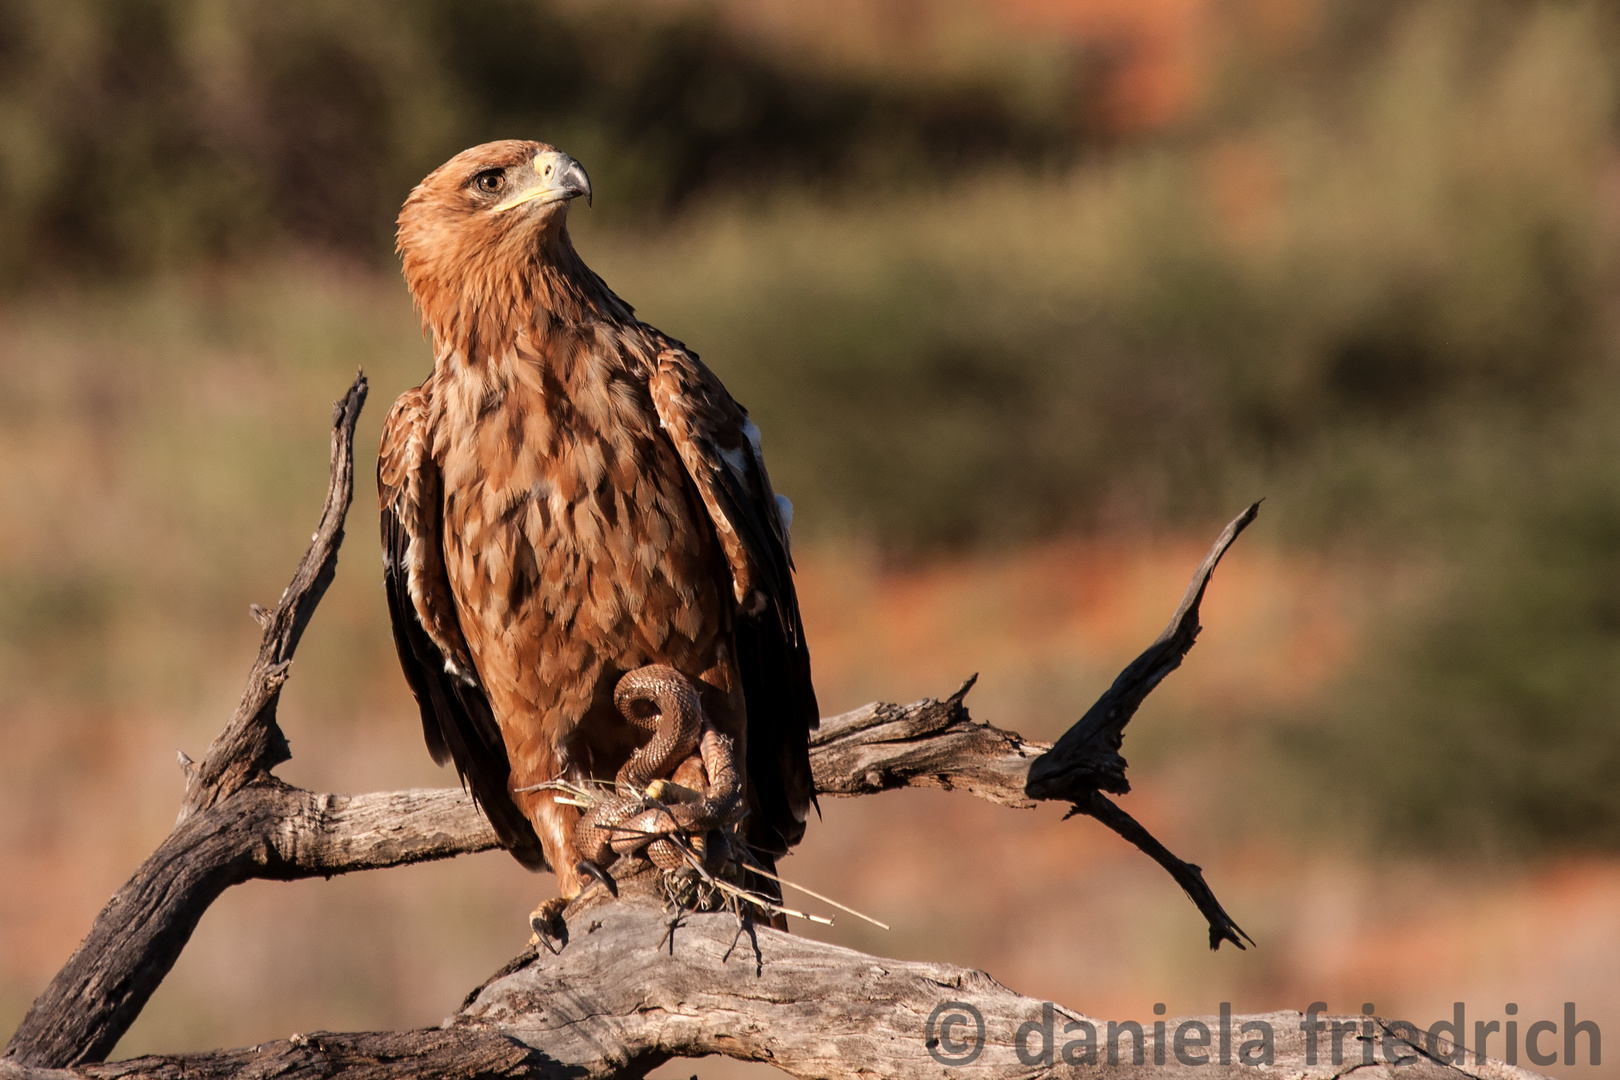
<point>1086,761</point>
<point>1087,757</point>
<point>139,934</point>
<point>1188,875</point>
<point>252,743</point>
<point>270,830</point>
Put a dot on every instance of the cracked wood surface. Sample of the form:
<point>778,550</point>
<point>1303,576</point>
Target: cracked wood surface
<point>928,743</point>
<point>626,995</point>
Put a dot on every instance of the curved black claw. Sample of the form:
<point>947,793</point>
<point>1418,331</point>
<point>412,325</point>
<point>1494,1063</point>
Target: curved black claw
<point>586,868</point>
<point>549,928</point>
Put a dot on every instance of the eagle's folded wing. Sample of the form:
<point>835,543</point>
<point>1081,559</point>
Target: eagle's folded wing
<point>456,717</point>
<point>719,446</point>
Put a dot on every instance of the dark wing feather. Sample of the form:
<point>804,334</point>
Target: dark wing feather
<point>456,719</point>
<point>718,445</point>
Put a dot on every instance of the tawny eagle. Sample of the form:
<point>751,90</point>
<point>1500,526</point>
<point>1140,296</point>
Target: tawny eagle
<point>568,496</point>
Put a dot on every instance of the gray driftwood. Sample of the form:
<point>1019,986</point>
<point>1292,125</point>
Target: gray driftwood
<point>627,994</point>
<point>632,988</point>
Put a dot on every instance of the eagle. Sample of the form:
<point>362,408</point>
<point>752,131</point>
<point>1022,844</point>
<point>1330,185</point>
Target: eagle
<point>571,495</point>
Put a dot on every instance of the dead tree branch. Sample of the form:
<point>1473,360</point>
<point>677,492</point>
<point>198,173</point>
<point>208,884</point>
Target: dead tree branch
<point>252,743</point>
<point>635,987</point>
<point>1086,761</point>
<point>219,840</point>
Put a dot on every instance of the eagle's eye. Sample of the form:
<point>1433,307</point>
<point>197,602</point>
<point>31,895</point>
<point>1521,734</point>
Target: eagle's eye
<point>490,180</point>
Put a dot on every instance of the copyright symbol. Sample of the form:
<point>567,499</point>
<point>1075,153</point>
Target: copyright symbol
<point>948,1040</point>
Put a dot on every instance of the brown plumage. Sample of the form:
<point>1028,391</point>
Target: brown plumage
<point>570,495</point>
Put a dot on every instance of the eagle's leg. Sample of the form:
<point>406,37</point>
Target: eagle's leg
<point>555,824</point>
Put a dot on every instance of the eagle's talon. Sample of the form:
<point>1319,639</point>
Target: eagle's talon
<point>549,928</point>
<point>587,868</point>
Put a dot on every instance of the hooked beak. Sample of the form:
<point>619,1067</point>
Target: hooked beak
<point>558,178</point>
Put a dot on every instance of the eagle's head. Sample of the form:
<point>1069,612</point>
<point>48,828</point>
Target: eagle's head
<point>484,222</point>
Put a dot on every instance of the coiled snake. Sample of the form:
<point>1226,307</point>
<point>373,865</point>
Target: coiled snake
<point>681,783</point>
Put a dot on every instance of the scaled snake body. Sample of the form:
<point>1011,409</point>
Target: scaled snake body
<point>641,816</point>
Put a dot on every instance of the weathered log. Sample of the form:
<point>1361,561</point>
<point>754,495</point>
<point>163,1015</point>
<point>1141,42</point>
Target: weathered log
<point>637,986</point>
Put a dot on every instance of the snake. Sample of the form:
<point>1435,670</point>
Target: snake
<point>683,743</point>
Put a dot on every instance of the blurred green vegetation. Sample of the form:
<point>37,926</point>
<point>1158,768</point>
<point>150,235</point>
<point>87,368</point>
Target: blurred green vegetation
<point>1373,278</point>
<point>147,134</point>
